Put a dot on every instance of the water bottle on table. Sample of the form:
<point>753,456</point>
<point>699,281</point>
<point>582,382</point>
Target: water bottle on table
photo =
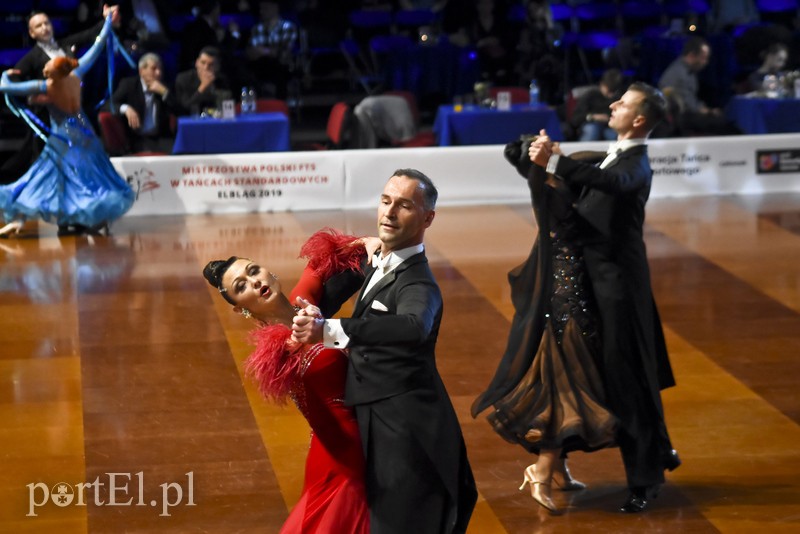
<point>533,93</point>
<point>251,99</point>
<point>248,100</point>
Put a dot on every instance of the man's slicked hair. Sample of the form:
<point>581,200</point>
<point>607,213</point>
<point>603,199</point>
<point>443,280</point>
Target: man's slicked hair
<point>429,192</point>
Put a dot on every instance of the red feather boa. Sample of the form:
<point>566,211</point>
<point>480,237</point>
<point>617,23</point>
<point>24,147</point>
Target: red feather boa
<point>275,362</point>
<point>330,252</point>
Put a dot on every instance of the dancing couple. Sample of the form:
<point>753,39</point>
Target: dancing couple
<point>586,360</point>
<point>73,182</point>
<point>387,453</point>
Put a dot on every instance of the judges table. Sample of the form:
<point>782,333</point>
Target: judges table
<point>483,126</point>
<point>765,115</point>
<point>259,132</point>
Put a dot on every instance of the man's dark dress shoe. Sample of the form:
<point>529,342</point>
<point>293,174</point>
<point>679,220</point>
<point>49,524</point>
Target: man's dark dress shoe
<point>639,498</point>
<point>634,504</point>
<point>672,461</point>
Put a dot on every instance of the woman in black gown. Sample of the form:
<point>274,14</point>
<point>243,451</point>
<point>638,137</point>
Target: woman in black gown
<point>547,392</point>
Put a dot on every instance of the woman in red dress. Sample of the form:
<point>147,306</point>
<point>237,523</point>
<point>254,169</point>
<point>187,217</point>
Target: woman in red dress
<point>333,499</point>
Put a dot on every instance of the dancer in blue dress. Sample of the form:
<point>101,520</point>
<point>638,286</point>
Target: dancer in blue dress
<point>73,183</point>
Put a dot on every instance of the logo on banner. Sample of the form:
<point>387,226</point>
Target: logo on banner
<point>142,181</point>
<point>777,161</point>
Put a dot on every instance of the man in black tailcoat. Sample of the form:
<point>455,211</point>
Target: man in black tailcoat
<point>635,363</point>
<point>418,478</point>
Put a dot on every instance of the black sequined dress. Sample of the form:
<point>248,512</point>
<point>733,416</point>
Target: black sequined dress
<point>548,392</point>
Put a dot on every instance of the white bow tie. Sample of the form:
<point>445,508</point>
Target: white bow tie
<point>381,263</point>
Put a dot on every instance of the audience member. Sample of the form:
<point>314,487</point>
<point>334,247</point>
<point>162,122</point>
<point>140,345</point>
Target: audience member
<point>492,36</point>
<point>749,46</point>
<point>484,25</point>
<point>147,104</point>
<point>271,50</point>
<point>591,114</point>
<point>680,80</point>
<point>201,32</point>
<point>775,57</point>
<point>536,58</point>
<point>203,86</point>
<point>383,120</point>
<point>206,30</point>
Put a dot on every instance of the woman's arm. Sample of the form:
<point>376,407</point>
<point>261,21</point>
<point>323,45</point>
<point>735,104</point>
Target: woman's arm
<point>30,87</point>
<point>87,60</point>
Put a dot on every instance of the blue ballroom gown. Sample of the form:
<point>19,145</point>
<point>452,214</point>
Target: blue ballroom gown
<point>73,181</point>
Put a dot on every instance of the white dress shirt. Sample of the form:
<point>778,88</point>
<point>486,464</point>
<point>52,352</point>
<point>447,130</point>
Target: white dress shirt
<point>51,49</point>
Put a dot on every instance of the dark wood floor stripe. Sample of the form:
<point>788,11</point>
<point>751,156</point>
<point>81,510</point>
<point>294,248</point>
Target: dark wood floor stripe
<point>741,328</point>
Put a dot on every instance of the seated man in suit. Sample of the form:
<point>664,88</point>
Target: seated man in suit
<point>203,86</point>
<point>147,104</point>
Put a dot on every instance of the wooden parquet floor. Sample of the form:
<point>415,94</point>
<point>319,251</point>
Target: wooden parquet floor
<point>121,380</point>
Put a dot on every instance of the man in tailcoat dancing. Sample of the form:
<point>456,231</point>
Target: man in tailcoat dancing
<point>635,364</point>
<point>418,477</point>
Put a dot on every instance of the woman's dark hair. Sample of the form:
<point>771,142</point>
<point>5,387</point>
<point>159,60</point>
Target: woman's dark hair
<point>215,270</point>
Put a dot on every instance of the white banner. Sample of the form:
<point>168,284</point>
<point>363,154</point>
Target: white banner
<point>234,183</point>
<point>724,165</point>
<point>353,179</point>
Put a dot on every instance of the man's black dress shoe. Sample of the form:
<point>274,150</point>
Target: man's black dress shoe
<point>672,461</point>
<point>639,497</point>
<point>634,504</point>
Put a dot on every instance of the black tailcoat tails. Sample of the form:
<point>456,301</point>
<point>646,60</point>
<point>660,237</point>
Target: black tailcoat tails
<point>635,362</point>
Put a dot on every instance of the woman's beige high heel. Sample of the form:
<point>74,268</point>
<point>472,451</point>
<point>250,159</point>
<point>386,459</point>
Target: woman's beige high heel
<point>563,478</point>
<point>537,488</point>
<point>12,227</point>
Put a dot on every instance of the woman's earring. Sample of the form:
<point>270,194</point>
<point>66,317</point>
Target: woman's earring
<point>273,275</point>
<point>246,313</point>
